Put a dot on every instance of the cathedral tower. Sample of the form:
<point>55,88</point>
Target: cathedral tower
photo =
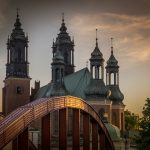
<point>97,92</point>
<point>16,91</point>
<point>66,46</point>
<point>112,81</point>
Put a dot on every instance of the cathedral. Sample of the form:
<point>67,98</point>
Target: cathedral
<point>105,97</point>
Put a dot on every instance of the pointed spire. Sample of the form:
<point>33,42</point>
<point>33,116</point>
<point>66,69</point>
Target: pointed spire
<point>17,12</point>
<point>97,51</point>
<point>111,46</point>
<point>17,23</point>
<point>63,27</point>
<point>112,61</point>
<point>63,17</point>
<point>96,39</point>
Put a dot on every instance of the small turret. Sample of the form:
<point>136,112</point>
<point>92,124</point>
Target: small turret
<point>112,77</point>
<point>58,67</point>
<point>66,47</point>
<point>96,88</point>
<point>63,27</point>
<point>97,62</point>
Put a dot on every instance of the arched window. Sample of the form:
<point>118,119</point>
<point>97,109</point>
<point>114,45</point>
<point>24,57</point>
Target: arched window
<point>62,74</point>
<point>57,74</point>
<point>66,58</point>
<point>19,55</point>
<point>112,79</point>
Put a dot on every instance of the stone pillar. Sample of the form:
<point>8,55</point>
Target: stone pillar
<point>73,57</point>
<point>109,79</point>
<point>26,53</point>
<point>115,79</point>
<point>8,56</point>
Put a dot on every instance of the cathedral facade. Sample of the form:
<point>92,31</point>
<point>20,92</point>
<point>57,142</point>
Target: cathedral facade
<point>105,98</point>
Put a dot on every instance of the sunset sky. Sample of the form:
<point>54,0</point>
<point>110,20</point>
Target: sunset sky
<point>127,21</point>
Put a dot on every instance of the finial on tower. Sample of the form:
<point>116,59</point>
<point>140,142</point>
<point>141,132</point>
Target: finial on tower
<point>96,39</point>
<point>63,17</point>
<point>17,12</point>
<point>112,45</point>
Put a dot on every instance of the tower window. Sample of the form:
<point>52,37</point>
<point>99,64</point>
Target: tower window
<point>57,74</point>
<point>19,90</point>
<point>19,55</point>
<point>66,58</point>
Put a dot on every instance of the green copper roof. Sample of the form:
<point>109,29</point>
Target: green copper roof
<point>77,82</point>
<point>113,131</point>
<point>97,88</point>
<point>74,83</point>
<point>116,94</point>
<point>41,92</point>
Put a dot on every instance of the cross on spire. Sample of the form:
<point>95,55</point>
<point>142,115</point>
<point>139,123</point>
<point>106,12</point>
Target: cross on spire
<point>96,39</point>
<point>112,45</point>
<point>63,27</point>
<point>63,17</point>
<point>17,12</point>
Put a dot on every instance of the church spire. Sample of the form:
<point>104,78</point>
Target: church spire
<point>63,27</point>
<point>112,77</point>
<point>97,62</point>
<point>17,23</point>
<point>17,52</point>
<point>65,45</point>
<point>112,46</point>
<point>96,39</point>
<point>63,17</point>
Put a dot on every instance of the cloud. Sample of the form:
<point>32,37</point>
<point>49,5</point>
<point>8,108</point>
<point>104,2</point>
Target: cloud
<point>132,32</point>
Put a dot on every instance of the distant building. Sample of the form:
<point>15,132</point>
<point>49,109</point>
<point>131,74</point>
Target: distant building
<point>89,85</point>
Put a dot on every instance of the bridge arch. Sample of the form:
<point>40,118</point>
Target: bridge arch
<point>16,124</point>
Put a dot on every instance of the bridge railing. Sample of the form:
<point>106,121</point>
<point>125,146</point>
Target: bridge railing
<point>15,124</point>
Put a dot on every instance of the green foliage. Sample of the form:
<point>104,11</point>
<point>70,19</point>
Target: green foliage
<point>143,141</point>
<point>131,121</point>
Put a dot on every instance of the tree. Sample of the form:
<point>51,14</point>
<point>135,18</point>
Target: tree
<point>143,140</point>
<point>131,121</point>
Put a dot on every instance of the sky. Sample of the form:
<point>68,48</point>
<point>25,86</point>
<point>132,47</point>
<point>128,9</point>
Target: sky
<point>127,21</point>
